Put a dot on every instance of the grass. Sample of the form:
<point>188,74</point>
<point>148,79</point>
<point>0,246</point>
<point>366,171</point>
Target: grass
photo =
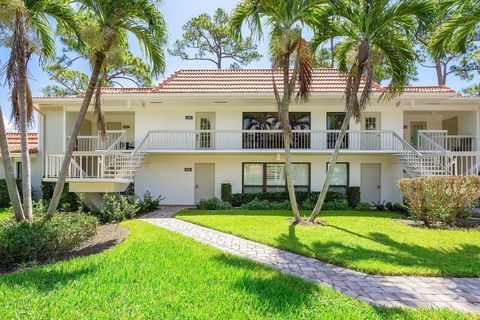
<point>372,242</point>
<point>156,274</point>
<point>5,213</point>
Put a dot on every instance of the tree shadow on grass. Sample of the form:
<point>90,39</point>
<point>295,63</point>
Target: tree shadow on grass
<point>453,262</point>
<point>45,279</point>
<point>283,294</point>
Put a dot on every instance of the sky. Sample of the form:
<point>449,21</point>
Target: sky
<point>177,13</point>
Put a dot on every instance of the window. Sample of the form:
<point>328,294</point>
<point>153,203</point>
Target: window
<point>270,177</point>
<point>340,178</point>
<point>19,170</point>
<point>264,121</point>
<point>334,122</point>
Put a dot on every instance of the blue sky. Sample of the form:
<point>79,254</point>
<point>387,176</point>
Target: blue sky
<point>176,13</point>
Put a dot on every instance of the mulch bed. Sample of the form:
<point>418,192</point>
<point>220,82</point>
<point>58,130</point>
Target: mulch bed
<point>107,236</point>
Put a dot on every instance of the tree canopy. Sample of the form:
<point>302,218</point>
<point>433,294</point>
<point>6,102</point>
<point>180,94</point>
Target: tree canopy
<point>209,39</point>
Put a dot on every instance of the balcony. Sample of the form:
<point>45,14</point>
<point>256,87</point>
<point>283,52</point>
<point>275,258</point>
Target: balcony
<point>267,140</point>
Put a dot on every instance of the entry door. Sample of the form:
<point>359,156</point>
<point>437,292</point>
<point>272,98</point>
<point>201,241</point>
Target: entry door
<point>204,181</point>
<point>370,182</point>
<point>205,125</point>
<point>371,140</point>
<point>414,128</point>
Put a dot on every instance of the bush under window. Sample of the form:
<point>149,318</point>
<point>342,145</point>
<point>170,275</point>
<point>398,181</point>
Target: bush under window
<point>242,198</point>
<point>213,204</point>
<point>441,199</point>
<point>22,243</point>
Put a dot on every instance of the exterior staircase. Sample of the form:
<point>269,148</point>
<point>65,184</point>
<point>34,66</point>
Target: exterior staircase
<point>432,160</point>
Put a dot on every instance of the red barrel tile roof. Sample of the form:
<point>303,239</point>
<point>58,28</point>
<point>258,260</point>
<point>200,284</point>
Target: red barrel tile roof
<point>204,81</point>
<point>13,139</point>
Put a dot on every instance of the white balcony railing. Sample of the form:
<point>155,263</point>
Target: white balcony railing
<point>113,140</point>
<point>457,143</point>
<point>368,140</point>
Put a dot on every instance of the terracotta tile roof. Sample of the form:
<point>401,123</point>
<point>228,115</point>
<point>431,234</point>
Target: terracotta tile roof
<point>246,81</point>
<point>114,90</point>
<point>13,139</point>
<point>213,81</point>
<point>429,89</point>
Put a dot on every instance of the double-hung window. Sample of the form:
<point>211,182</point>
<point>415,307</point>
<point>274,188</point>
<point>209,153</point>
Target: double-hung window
<point>270,177</point>
<point>340,178</point>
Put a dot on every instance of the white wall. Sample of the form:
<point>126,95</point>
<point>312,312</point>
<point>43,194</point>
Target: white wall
<point>54,129</point>
<point>165,175</point>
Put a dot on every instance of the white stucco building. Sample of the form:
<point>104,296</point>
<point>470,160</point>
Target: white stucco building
<point>201,128</point>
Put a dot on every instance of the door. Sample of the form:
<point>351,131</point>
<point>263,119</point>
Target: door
<point>414,128</point>
<point>370,140</point>
<point>205,125</point>
<point>370,182</point>
<point>334,122</point>
<point>204,181</point>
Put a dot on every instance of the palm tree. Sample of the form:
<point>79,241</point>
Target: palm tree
<point>31,33</point>
<point>9,174</point>
<point>115,20</point>
<point>460,28</point>
<point>285,18</point>
<point>368,28</point>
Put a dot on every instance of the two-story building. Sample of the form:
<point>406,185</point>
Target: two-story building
<point>200,128</point>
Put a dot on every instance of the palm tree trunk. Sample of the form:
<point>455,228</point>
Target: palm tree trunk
<point>99,57</point>
<point>338,144</point>
<point>23,124</point>
<point>9,174</point>
<point>287,137</point>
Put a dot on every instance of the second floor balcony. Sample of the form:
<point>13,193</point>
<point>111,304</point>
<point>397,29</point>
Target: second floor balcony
<point>267,140</point>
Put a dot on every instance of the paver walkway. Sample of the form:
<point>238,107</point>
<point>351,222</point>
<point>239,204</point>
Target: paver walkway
<point>457,293</point>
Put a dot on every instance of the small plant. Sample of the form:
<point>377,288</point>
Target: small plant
<point>214,204</point>
<point>148,203</point>
<point>116,208</point>
<point>379,206</point>
<point>440,199</point>
<point>284,205</point>
<point>353,196</point>
<point>39,207</point>
<point>257,204</point>
<point>308,204</point>
<point>226,192</point>
<point>363,206</point>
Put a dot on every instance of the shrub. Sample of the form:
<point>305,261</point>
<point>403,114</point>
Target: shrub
<point>242,198</point>
<point>363,206</point>
<point>379,206</point>
<point>337,205</point>
<point>396,207</point>
<point>226,192</point>
<point>116,208</point>
<point>69,201</point>
<point>22,243</point>
<point>148,202</point>
<point>213,204</point>
<point>4,197</point>
<point>257,204</point>
<point>353,196</point>
<point>440,199</point>
<point>308,204</point>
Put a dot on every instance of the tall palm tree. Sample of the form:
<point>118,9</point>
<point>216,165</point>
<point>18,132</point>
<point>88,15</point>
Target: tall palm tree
<point>115,20</point>
<point>31,33</point>
<point>460,28</point>
<point>367,28</point>
<point>285,18</point>
<point>12,188</point>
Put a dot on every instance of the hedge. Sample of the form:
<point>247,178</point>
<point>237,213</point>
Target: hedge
<point>4,197</point>
<point>69,201</point>
<point>243,198</point>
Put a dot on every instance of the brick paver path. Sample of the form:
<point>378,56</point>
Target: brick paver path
<point>457,293</point>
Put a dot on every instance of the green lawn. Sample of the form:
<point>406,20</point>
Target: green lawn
<point>156,274</point>
<point>372,242</point>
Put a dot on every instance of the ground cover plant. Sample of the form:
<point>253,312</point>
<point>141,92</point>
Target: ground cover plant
<point>373,242</point>
<point>169,276</point>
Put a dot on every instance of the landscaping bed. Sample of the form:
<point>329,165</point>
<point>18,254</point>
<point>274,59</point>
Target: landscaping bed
<point>372,242</point>
<point>158,274</point>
